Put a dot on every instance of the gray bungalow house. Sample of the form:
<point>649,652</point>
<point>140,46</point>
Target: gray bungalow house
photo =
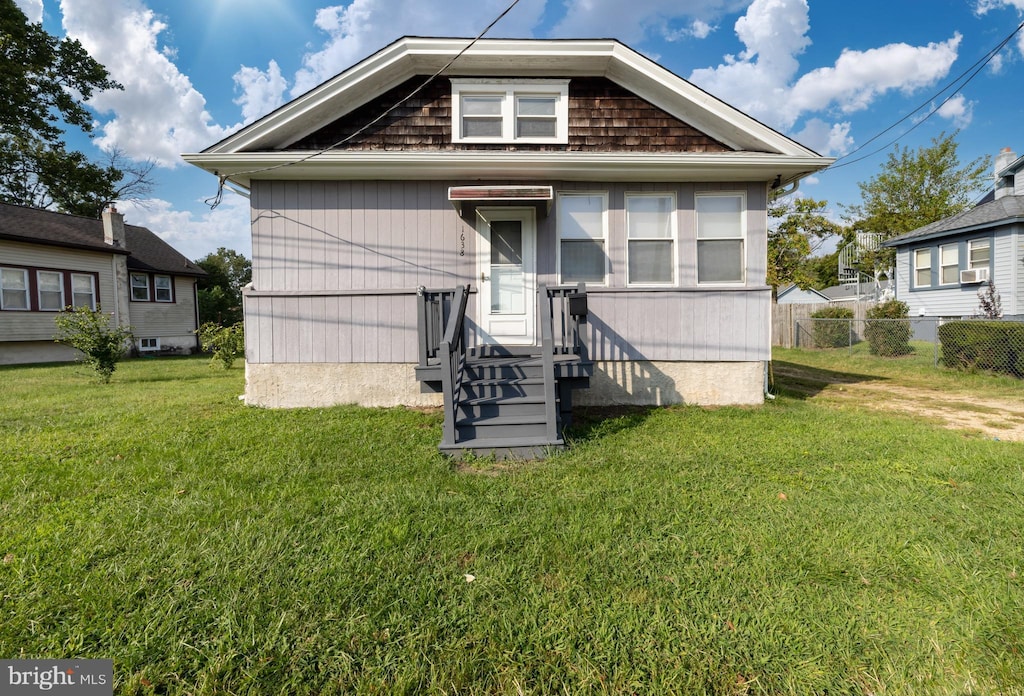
<point>941,267</point>
<point>49,261</point>
<point>572,198</point>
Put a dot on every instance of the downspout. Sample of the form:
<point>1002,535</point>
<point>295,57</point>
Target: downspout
<point>195,304</point>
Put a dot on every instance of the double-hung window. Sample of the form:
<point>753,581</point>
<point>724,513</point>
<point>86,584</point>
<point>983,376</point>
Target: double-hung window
<point>582,221</point>
<point>50,285</point>
<point>14,288</point>
<point>949,264</point>
<point>721,233</point>
<point>979,254</point>
<point>496,111</point>
<point>140,287</point>
<point>922,268</point>
<point>650,226</point>
<point>83,290</point>
<point>162,288</point>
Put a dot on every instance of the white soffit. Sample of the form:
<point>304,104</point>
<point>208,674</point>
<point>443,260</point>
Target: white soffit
<point>408,57</point>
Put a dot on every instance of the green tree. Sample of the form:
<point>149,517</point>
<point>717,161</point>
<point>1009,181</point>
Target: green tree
<point>90,331</point>
<point>45,82</point>
<point>913,189</point>
<point>220,292</point>
<point>801,228</point>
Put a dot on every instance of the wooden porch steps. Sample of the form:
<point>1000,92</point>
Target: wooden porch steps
<point>501,410</point>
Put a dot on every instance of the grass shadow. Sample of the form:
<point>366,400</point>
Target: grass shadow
<point>595,422</point>
<point>800,381</point>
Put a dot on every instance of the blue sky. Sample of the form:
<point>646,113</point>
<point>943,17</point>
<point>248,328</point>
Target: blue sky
<point>830,74</point>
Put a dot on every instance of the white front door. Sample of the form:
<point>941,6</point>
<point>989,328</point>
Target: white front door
<point>508,274</point>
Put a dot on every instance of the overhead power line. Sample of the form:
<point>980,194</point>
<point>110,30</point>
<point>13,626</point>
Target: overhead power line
<point>216,199</point>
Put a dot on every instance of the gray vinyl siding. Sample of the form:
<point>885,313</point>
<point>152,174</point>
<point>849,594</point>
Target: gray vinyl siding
<point>167,319</point>
<point>39,326</point>
<point>336,265</point>
<point>962,300</point>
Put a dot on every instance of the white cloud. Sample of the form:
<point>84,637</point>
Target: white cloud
<point>825,138</point>
<point>762,80</point>
<point>33,9</point>
<point>356,30</point>
<point>159,114</point>
<point>958,110</point>
<point>643,18</point>
<point>983,6</point>
<point>261,91</point>
<point>193,235</point>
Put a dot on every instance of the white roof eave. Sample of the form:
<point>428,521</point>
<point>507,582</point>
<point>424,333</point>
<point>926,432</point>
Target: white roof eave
<point>408,57</point>
<point>243,168</point>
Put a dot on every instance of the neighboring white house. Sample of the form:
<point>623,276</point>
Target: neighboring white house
<point>49,261</point>
<point>941,267</point>
<point>794,294</point>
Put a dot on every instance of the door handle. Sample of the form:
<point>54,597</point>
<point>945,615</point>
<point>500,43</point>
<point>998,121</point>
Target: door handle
<point>484,278</point>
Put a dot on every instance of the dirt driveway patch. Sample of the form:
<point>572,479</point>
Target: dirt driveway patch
<point>992,417</point>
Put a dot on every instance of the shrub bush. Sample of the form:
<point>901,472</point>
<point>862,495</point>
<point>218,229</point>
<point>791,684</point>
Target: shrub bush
<point>834,332</point>
<point>90,331</point>
<point>983,345</point>
<point>225,342</point>
<point>889,334</point>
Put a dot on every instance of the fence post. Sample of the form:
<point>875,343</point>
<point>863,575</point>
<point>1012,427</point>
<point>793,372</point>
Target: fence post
<point>849,335</point>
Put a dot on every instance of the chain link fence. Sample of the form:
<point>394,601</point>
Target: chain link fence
<point>961,344</point>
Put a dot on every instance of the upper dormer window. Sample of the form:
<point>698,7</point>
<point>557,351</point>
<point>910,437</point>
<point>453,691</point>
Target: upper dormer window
<point>499,111</point>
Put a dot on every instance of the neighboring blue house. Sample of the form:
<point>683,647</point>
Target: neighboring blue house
<point>941,267</point>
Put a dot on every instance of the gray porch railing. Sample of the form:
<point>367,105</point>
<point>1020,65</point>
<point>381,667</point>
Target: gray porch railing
<point>569,306</point>
<point>433,308</point>
<point>452,352</point>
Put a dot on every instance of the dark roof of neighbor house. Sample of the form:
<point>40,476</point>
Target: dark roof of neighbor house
<point>988,213</point>
<point>146,251</point>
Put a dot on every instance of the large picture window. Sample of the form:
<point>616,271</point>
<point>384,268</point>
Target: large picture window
<point>582,234</point>
<point>650,229</point>
<point>720,237</point>
<point>51,290</point>
<point>495,111</point>
<point>14,288</point>
<point>922,268</point>
<point>949,264</point>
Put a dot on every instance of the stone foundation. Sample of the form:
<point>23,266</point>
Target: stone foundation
<point>27,352</point>
<point>640,383</point>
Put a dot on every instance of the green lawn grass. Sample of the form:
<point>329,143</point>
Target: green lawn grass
<point>208,547</point>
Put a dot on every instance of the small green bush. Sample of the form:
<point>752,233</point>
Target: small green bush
<point>983,345</point>
<point>225,342</point>
<point>833,333</point>
<point>90,331</point>
<point>889,334</point>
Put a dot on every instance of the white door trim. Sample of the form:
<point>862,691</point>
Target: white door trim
<point>503,328</point>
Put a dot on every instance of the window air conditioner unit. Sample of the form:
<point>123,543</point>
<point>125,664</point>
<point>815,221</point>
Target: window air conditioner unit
<point>975,275</point>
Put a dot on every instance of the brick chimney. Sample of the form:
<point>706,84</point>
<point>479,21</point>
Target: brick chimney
<point>113,227</point>
<point>1004,184</point>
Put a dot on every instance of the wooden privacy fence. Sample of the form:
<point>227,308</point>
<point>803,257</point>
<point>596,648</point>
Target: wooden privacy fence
<point>786,316</point>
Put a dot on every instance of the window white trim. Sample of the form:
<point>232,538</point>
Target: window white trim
<point>976,245</point>
<point>671,238</point>
<point>139,287</point>
<point>561,228</point>
<point>76,292</point>
<point>149,344</point>
<point>741,237</point>
<point>7,285</point>
<point>920,257</point>
<point>40,290</point>
<point>507,94</point>
<point>946,263</point>
<point>163,294</point>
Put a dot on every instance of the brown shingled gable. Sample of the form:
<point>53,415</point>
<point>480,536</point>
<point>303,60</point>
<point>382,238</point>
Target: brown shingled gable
<point>603,117</point>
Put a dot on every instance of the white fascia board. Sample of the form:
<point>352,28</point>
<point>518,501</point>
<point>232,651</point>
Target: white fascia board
<point>242,168</point>
<point>408,57</point>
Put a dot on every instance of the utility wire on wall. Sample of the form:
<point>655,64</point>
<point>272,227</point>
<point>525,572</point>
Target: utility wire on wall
<point>215,200</point>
